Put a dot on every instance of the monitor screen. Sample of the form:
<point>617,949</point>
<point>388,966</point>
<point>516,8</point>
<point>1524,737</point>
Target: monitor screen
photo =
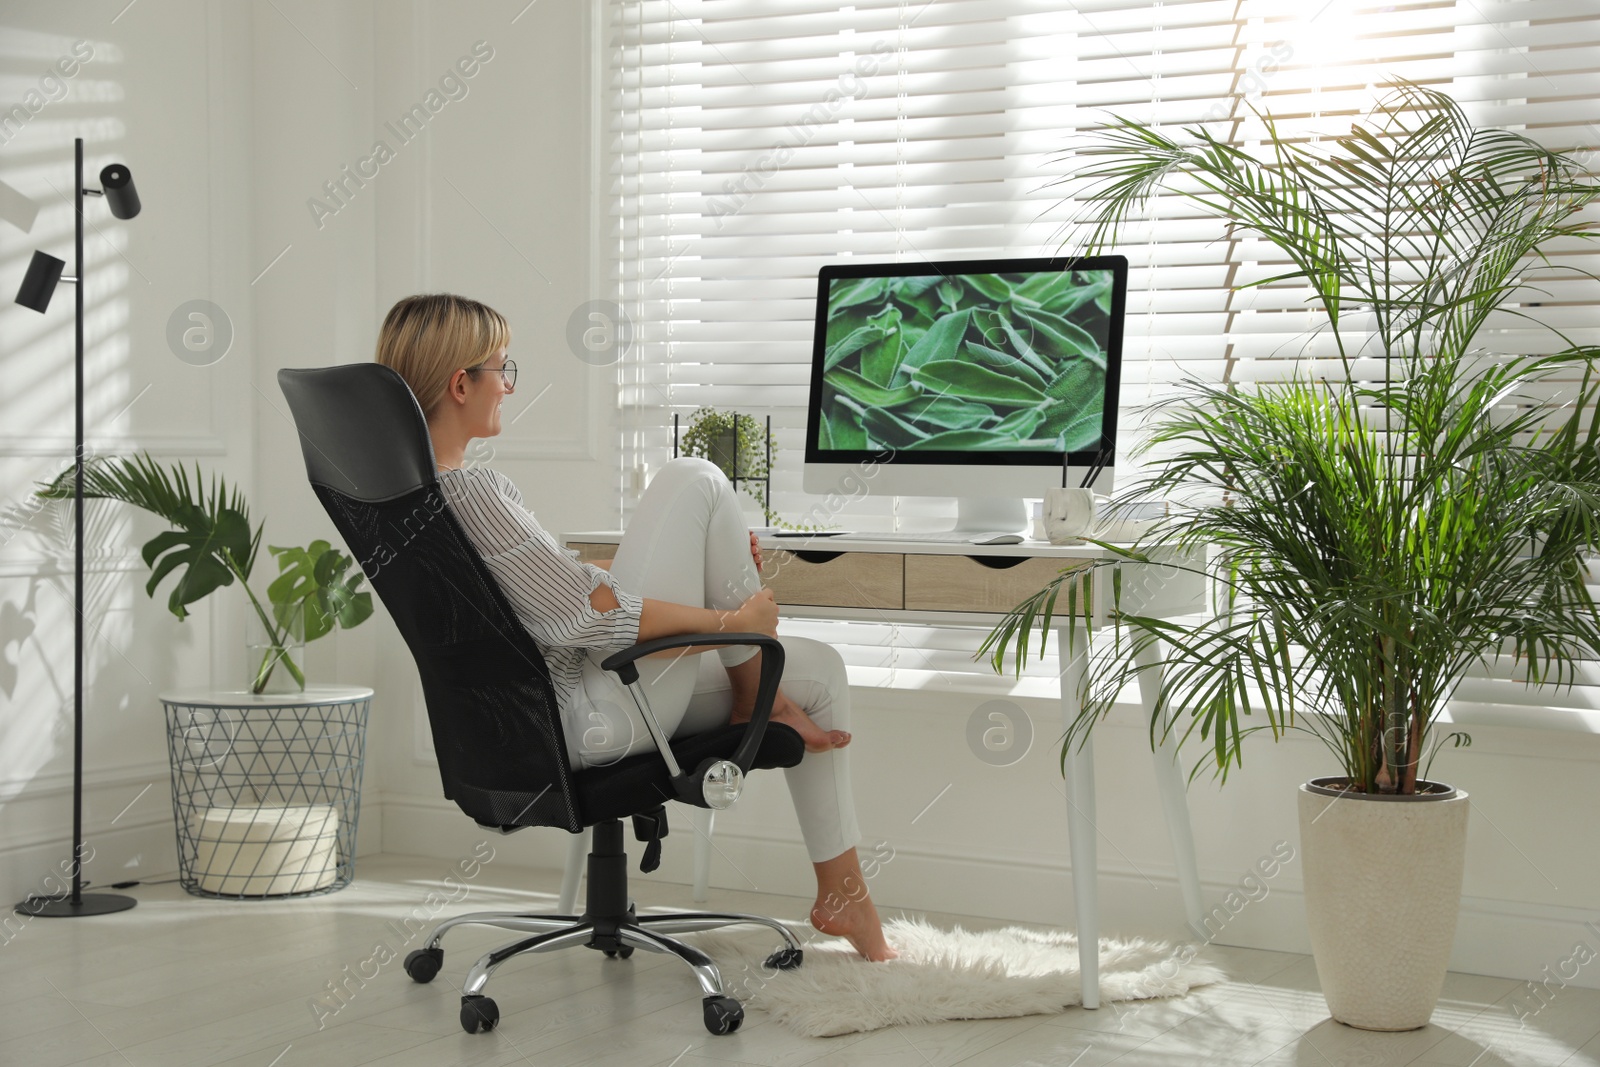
<point>1004,361</point>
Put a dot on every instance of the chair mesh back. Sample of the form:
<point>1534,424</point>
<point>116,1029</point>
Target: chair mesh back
<point>491,705</point>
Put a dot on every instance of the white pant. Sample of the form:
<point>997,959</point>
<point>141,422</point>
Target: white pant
<point>688,544</point>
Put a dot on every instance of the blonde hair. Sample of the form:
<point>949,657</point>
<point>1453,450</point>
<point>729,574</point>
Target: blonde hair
<point>428,337</point>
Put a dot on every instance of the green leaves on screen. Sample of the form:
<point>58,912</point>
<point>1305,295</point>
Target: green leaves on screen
<point>972,361</point>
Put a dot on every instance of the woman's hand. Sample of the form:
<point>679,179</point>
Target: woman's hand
<point>755,550</point>
<point>758,615</point>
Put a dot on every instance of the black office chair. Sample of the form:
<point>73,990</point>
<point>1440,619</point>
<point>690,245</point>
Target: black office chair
<point>496,727</point>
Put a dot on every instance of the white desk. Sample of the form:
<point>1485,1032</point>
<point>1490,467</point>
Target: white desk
<point>975,585</point>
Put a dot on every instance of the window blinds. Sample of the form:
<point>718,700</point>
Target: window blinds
<point>749,142</point>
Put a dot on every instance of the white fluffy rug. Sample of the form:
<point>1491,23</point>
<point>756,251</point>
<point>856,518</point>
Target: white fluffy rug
<point>941,974</point>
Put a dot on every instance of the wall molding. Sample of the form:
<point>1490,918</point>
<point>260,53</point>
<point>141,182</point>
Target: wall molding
<point>140,850</point>
<point>62,446</point>
<point>554,450</point>
<point>55,783</point>
<point>422,751</point>
<point>594,68</point>
<point>220,247</point>
<point>422,204</point>
<point>40,566</point>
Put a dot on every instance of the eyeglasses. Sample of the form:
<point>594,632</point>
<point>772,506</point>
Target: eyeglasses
<point>508,373</point>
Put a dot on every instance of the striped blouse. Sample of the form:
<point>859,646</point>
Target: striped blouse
<point>548,589</point>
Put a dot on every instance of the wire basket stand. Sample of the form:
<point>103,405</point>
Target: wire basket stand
<point>266,790</point>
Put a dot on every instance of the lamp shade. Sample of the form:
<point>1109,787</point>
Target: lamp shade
<point>44,271</point>
<point>117,184</point>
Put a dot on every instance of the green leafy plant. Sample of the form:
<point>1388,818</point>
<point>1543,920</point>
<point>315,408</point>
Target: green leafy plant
<point>1375,534</point>
<point>213,544</point>
<point>316,579</point>
<point>736,444</point>
<point>980,361</point>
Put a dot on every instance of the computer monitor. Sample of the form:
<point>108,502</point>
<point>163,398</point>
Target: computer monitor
<point>986,380</point>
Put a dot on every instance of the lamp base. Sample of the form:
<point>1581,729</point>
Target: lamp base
<point>62,907</point>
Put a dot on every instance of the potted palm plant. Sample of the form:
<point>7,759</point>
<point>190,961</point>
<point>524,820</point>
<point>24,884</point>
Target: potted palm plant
<point>212,545</point>
<point>1373,530</point>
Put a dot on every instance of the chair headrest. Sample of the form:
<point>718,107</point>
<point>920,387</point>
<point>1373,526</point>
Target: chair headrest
<point>361,430</point>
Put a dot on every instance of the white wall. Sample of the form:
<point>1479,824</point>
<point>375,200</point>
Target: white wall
<point>494,203</point>
<point>232,109</point>
<point>166,92</point>
<point>311,287</point>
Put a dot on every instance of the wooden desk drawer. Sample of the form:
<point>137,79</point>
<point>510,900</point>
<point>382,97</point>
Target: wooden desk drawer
<point>589,551</point>
<point>967,583</point>
<point>824,579</point>
<point>835,579</point>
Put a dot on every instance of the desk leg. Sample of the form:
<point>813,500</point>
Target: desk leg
<point>1174,800</point>
<point>577,860</point>
<point>704,820</point>
<point>1080,813</point>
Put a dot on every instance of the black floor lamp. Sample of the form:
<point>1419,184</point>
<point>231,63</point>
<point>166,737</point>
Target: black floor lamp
<point>44,272</point>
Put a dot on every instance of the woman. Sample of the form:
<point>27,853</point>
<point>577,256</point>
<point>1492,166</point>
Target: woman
<point>687,564</point>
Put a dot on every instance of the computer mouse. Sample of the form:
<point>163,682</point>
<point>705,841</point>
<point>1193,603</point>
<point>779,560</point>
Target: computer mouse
<point>997,539</point>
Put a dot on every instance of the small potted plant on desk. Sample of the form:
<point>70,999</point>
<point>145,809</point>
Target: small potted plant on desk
<point>741,449</point>
<point>1373,532</point>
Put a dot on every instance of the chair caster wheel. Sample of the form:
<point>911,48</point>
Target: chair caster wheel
<point>479,1014</point>
<point>723,1014</point>
<point>786,959</point>
<point>619,953</point>
<point>423,964</point>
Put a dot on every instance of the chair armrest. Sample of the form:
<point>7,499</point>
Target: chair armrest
<point>766,690</point>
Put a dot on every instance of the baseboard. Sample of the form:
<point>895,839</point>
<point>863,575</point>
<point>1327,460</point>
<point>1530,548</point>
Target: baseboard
<point>144,849</point>
<point>139,850</point>
<point>1493,937</point>
<point>436,828</point>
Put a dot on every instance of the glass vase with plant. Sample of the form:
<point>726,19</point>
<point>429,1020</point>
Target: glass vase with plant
<point>212,544</point>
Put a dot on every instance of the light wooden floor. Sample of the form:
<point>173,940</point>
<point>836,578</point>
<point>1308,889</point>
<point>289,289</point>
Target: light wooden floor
<point>180,981</point>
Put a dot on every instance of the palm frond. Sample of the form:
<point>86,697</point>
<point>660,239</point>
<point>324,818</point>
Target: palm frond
<point>1370,541</point>
<point>211,539</point>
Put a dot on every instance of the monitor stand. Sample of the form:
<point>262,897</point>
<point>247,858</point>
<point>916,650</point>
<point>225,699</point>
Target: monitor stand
<point>991,514</point>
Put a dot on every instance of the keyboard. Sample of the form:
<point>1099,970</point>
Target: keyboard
<point>942,537</point>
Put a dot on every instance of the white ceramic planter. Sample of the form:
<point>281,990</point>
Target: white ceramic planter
<point>1382,887</point>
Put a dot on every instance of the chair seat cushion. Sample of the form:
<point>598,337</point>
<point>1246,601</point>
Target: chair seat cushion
<point>640,783</point>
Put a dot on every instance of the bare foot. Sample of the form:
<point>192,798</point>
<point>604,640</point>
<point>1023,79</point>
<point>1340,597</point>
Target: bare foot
<point>793,716</point>
<point>744,679</point>
<point>854,920</point>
